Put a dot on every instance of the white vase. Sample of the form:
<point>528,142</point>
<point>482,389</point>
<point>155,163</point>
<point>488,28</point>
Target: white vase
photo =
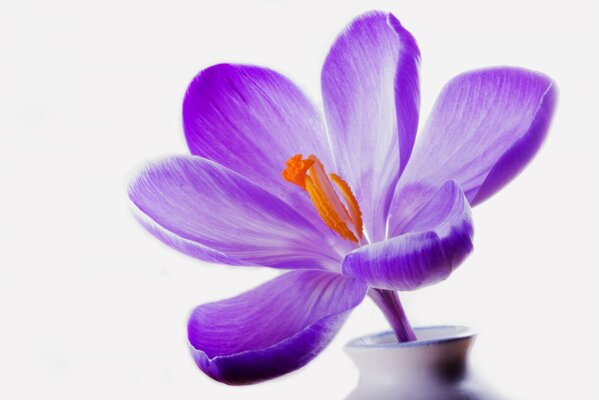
<point>434,367</point>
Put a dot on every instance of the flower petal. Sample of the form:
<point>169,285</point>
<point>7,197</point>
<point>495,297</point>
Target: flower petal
<point>251,120</point>
<point>215,214</point>
<point>484,128</point>
<point>371,101</point>
<point>273,329</point>
<point>435,242</point>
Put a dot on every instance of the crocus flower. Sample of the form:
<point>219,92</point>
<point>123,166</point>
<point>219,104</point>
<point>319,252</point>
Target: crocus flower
<point>342,200</point>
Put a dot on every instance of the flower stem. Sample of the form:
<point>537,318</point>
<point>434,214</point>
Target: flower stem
<point>388,302</point>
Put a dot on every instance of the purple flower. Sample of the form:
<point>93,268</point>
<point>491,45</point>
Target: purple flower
<point>392,216</point>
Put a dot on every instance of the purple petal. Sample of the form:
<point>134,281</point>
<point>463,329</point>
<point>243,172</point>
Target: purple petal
<point>371,100</point>
<point>215,214</point>
<point>251,120</point>
<point>485,127</point>
<point>273,329</point>
<point>435,242</point>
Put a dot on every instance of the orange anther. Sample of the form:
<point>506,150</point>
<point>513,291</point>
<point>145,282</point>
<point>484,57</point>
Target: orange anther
<point>295,171</point>
<point>309,174</point>
<point>352,204</point>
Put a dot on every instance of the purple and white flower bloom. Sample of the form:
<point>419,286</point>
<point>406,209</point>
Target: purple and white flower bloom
<point>394,215</point>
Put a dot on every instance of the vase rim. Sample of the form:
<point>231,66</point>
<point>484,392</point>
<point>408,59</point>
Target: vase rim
<point>427,336</point>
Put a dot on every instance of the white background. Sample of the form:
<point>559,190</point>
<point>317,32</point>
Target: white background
<point>91,306</point>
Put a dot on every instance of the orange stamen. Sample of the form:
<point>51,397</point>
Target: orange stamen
<point>295,171</point>
<point>350,200</point>
<point>309,174</point>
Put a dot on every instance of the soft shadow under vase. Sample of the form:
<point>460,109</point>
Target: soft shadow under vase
<point>434,367</point>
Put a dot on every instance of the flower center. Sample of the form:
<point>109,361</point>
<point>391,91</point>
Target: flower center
<point>345,217</point>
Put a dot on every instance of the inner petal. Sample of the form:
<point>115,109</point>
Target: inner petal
<point>343,217</point>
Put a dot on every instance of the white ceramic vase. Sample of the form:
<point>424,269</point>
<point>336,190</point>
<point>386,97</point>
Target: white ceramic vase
<point>434,367</point>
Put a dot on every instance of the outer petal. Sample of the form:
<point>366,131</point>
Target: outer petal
<point>251,120</point>
<point>371,100</point>
<point>436,241</point>
<point>273,329</point>
<point>214,214</point>
<point>485,127</point>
